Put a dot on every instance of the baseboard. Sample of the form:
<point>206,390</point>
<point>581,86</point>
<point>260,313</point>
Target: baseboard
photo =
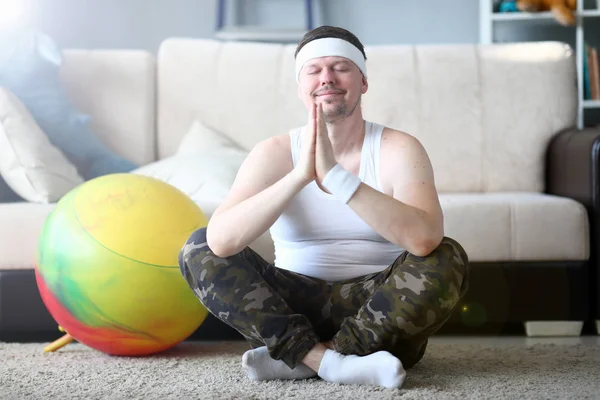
<point>553,328</point>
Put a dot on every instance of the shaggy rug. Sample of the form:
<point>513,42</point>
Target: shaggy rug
<point>211,370</point>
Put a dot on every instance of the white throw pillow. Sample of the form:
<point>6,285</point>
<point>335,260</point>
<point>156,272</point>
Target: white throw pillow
<point>34,168</point>
<point>202,139</point>
<point>204,167</point>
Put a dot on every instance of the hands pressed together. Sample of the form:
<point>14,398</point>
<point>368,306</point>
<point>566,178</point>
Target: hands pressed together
<point>317,157</point>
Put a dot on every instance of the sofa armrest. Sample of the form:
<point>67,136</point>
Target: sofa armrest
<point>573,167</point>
<point>573,170</point>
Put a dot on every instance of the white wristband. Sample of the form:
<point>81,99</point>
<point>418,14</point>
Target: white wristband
<point>341,183</point>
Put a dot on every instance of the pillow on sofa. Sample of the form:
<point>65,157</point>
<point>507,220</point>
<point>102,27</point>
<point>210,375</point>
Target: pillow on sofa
<point>30,68</point>
<point>31,166</point>
<point>202,139</point>
<point>204,167</point>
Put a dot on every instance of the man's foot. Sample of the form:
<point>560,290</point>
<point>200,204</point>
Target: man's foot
<point>381,369</point>
<point>259,366</point>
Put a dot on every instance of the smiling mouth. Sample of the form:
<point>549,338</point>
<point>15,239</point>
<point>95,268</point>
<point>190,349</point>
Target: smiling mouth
<point>328,94</point>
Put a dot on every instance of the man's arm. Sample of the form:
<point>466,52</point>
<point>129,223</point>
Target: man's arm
<point>263,187</point>
<point>408,213</point>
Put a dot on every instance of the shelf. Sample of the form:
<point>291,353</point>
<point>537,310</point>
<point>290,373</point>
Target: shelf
<point>529,16</point>
<point>489,20</point>
<point>518,16</point>
<point>591,104</point>
<point>590,13</point>
<point>258,33</point>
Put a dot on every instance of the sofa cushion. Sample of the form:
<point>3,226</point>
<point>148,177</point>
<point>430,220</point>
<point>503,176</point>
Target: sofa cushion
<point>118,89</point>
<point>218,82</point>
<point>19,232</point>
<point>491,228</point>
<point>35,169</point>
<point>517,226</point>
<point>485,114</point>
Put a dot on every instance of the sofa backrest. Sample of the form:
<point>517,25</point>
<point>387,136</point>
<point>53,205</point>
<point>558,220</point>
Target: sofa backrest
<point>117,88</point>
<point>485,114</point>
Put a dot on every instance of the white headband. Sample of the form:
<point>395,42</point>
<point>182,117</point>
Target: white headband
<point>330,47</point>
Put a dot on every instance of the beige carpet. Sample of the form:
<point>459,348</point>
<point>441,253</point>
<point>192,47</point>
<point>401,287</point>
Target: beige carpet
<point>450,370</point>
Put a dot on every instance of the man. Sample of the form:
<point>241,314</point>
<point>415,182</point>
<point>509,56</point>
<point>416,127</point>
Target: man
<point>363,274</point>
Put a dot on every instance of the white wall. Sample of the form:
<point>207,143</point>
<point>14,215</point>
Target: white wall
<point>124,23</point>
<point>145,23</point>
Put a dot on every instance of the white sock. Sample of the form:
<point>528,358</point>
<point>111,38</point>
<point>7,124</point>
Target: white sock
<point>381,369</point>
<point>259,366</point>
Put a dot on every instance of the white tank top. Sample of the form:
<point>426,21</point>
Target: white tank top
<point>321,237</point>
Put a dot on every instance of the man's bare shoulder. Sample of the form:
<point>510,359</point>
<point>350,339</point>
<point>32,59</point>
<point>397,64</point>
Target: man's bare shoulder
<point>271,154</point>
<point>403,159</point>
<point>274,143</point>
<point>394,140</point>
<point>268,161</point>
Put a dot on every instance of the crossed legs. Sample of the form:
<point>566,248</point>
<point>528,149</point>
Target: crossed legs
<point>300,326</point>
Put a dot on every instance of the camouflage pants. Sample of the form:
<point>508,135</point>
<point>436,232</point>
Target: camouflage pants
<point>396,309</point>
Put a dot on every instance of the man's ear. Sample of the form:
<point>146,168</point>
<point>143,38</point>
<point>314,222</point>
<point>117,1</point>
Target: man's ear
<point>365,85</point>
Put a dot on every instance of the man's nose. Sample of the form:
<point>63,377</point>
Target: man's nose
<point>327,77</point>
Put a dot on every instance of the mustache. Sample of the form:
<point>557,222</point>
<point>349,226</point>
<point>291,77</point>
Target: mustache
<point>327,89</point>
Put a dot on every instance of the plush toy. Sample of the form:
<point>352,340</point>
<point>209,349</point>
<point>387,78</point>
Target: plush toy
<point>563,10</point>
<point>506,6</point>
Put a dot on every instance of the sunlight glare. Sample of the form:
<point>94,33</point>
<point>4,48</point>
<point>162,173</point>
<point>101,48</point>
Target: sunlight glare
<point>12,13</point>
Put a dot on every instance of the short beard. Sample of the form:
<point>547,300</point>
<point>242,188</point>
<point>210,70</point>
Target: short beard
<point>341,111</point>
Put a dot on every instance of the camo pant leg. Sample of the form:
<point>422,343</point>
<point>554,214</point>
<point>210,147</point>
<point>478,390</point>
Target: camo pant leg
<point>268,306</point>
<point>403,305</point>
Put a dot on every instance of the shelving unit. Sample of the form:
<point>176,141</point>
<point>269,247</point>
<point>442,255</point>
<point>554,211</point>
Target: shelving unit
<point>488,18</point>
<point>260,33</point>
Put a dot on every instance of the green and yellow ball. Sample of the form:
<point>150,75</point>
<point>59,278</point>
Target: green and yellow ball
<point>107,265</point>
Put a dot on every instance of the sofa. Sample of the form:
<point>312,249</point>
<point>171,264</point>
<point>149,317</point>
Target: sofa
<point>518,182</point>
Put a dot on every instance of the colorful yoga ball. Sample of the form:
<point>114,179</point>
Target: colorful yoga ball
<point>107,265</point>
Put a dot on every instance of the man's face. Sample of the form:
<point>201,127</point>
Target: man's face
<point>335,82</point>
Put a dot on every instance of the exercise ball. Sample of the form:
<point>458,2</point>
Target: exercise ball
<point>107,265</point>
